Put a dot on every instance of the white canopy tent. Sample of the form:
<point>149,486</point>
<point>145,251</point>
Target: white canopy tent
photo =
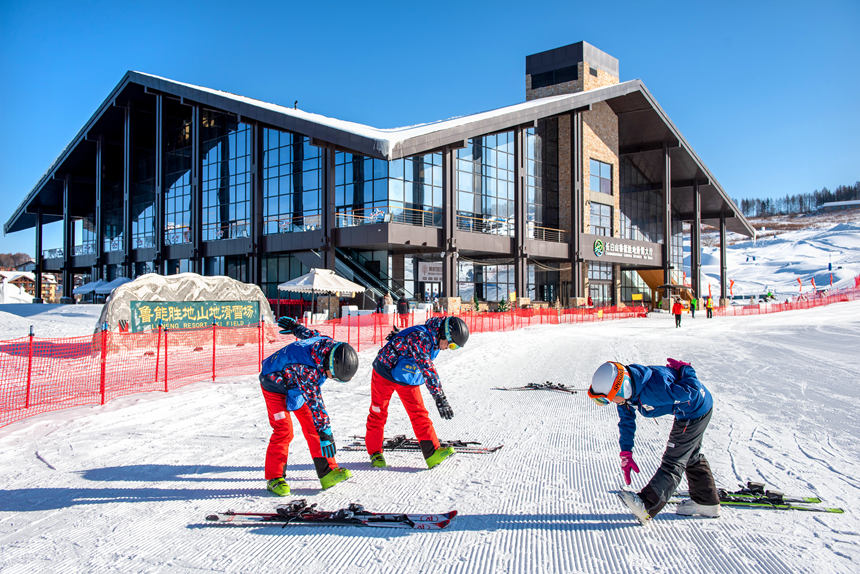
<point>107,288</point>
<point>321,281</point>
<point>88,288</point>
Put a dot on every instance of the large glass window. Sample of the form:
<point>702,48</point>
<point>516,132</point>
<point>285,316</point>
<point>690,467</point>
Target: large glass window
<point>85,236</point>
<point>361,189</point>
<point>600,176</point>
<point>485,184</point>
<point>112,196</point>
<point>292,183</point>
<point>277,269</point>
<point>641,203</point>
<point>177,174</point>
<point>484,282</point>
<point>415,190</point>
<point>601,219</point>
<point>226,176</point>
<point>143,179</point>
<point>600,283</point>
<point>541,181</point>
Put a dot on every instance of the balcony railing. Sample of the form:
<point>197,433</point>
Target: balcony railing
<point>389,214</point>
<point>308,221</point>
<point>488,224</point>
<point>547,234</point>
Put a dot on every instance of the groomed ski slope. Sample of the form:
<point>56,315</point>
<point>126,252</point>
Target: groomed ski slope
<point>124,487</point>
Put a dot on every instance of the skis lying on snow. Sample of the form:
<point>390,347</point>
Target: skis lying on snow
<point>754,495</point>
<point>547,386</point>
<point>401,442</point>
<point>300,512</point>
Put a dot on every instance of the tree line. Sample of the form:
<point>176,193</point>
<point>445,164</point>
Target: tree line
<point>799,203</point>
<point>12,260</point>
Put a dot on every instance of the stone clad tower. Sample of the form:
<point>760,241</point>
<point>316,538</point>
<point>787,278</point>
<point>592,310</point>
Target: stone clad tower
<point>569,69</point>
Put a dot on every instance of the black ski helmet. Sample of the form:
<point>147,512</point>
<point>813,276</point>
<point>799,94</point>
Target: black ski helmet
<point>342,362</point>
<point>454,330</point>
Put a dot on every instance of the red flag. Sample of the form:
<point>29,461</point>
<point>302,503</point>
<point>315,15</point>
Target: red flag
<point>800,284</point>
<point>831,279</point>
<point>709,290</point>
<point>731,287</point>
<point>812,280</point>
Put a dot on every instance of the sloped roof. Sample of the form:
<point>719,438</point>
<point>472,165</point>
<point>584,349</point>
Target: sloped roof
<point>631,97</point>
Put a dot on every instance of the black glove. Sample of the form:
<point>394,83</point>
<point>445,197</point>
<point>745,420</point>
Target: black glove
<point>327,443</point>
<point>288,324</point>
<point>445,410</point>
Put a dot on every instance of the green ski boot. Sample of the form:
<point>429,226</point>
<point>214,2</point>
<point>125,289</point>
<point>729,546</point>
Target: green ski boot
<point>377,460</point>
<point>278,487</point>
<point>439,455</point>
<point>333,477</point>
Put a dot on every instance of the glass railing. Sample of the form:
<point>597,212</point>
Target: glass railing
<point>174,235</point>
<point>55,253</point>
<point>84,249</point>
<point>232,230</point>
<point>547,234</point>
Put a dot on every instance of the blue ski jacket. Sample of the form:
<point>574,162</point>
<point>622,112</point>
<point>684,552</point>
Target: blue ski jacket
<point>407,358</point>
<point>659,391</point>
<point>298,372</point>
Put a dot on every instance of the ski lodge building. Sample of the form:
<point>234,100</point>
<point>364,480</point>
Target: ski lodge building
<point>579,191</point>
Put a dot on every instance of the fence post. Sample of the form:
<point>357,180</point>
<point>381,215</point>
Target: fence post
<point>29,368</point>
<point>158,351</point>
<point>260,345</point>
<point>103,373</point>
<point>213,349</point>
<point>165,359</point>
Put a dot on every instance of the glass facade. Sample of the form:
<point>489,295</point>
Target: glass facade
<point>85,236</point>
<point>541,177</point>
<point>485,184</point>
<point>225,176</point>
<point>600,283</point>
<point>292,183</point>
<point>361,189</point>
<point>278,269</point>
<point>177,173</point>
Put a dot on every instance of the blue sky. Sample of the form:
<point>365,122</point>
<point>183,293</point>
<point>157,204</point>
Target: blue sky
<point>767,93</point>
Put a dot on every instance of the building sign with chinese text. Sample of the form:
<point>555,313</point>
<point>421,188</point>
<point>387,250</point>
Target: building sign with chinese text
<point>617,250</point>
<point>146,315</point>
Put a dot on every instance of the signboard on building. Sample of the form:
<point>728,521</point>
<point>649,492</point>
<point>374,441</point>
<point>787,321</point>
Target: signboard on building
<point>430,272</point>
<point>146,315</point>
<point>617,250</point>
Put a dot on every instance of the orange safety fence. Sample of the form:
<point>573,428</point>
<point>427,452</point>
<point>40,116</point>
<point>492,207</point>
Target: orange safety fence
<point>42,375</point>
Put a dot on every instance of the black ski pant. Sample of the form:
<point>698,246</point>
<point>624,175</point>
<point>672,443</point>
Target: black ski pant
<point>682,455</point>
<point>678,320</point>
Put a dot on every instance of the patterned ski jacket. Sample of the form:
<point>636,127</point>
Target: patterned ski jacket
<point>407,359</point>
<point>659,391</point>
<point>297,371</point>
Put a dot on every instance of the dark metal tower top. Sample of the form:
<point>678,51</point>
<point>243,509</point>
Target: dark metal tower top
<point>572,68</point>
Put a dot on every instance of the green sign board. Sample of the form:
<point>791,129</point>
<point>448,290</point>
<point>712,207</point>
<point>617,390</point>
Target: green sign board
<point>146,315</point>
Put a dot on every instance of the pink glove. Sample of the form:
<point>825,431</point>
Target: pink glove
<point>628,464</point>
<point>676,364</point>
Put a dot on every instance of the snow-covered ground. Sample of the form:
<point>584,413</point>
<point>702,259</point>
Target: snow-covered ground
<point>125,487</point>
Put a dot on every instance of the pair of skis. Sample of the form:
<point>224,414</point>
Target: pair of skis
<point>754,495</point>
<point>402,442</point>
<point>547,386</point>
<point>299,512</point>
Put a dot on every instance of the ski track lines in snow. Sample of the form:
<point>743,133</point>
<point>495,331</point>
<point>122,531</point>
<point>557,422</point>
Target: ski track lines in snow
<point>132,481</point>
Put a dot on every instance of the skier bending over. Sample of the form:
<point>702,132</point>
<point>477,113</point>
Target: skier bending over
<point>291,379</point>
<point>655,391</point>
<point>401,366</point>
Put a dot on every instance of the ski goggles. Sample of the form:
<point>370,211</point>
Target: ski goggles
<point>451,345</point>
<point>605,399</point>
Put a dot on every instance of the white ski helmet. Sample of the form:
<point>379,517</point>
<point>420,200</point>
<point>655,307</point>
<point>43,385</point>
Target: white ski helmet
<point>610,380</point>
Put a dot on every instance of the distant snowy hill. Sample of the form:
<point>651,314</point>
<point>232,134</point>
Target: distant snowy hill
<point>785,249</point>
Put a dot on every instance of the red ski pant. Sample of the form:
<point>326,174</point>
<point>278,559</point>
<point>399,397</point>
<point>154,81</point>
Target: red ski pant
<point>282,435</point>
<point>381,390</point>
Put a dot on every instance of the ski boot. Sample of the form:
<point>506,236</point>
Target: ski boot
<point>377,460</point>
<point>334,476</point>
<point>636,506</point>
<point>278,487</point>
<point>690,508</point>
<point>439,455</point>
